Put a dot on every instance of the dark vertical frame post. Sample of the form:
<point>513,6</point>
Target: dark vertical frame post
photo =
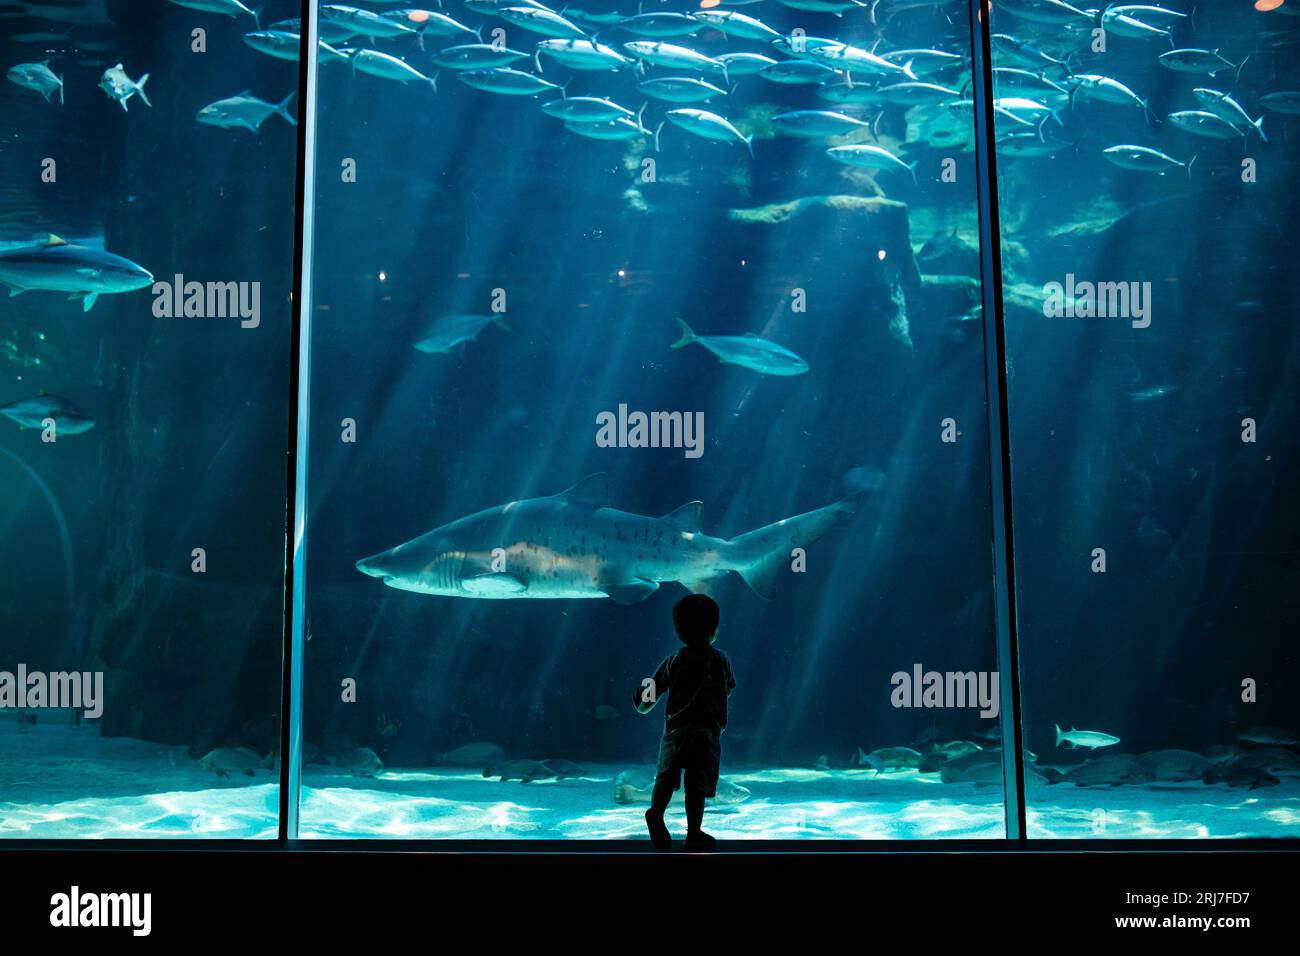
<point>995,384</point>
<point>299,392</point>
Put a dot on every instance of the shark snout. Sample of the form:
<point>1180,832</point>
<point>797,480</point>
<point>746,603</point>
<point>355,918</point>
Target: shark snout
<point>373,565</point>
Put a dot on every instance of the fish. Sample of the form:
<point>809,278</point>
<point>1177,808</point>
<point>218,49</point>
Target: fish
<point>1028,142</point>
<point>586,109</point>
<point>34,412</point>
<point>389,67</point>
<point>38,77</point>
<point>659,53</point>
<point>451,330</point>
<point>636,786</point>
<point>915,93</point>
<point>1054,12</point>
<point>1273,759</point>
<point>1122,23</point>
<point>1143,159</point>
<point>735,24</point>
<point>1019,51</point>
<point>1174,766</point>
<point>1203,123</point>
<point>954,749</point>
<point>361,761</point>
<point>1114,770</point>
<point>325,30</point>
<point>1224,753</point>
<point>982,768</point>
<point>1095,87</point>
<point>1283,101</point>
<point>1224,106</point>
<point>680,89</point>
<point>866,156</point>
<point>817,123</point>
<point>836,7</point>
<point>229,8</point>
<point>227,760</point>
<point>1092,739</point>
<point>121,87</point>
<point>575,545</point>
<point>890,759</point>
<point>1247,778</point>
<point>854,59</point>
<point>798,71</point>
<point>1195,61</point>
<point>747,351</point>
<point>616,130</point>
<point>708,126</point>
<point>365,22</point>
<point>582,55</point>
<point>476,56</point>
<point>744,64</point>
<point>246,110</point>
<point>58,266</point>
<point>479,753</point>
<point>564,769</point>
<point>525,771</point>
<point>284,45</point>
<point>1151,392</point>
<point>925,62</point>
<point>1269,735</point>
<point>429,21</point>
<point>506,81</point>
<point>543,21</point>
<point>659,24</point>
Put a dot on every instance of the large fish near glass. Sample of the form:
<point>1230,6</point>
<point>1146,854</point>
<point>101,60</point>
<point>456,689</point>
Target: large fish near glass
<point>574,545</point>
<point>58,266</point>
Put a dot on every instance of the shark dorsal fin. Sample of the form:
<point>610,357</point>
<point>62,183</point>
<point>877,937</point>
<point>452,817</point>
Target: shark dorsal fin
<point>689,517</point>
<point>53,240</point>
<point>593,489</point>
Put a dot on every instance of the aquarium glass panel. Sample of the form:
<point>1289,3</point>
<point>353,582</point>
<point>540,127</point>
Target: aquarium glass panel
<point>612,307</point>
<point>147,177</point>
<point>1147,174</point>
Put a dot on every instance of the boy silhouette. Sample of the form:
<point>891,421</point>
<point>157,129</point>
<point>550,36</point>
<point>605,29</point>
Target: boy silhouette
<point>697,680</point>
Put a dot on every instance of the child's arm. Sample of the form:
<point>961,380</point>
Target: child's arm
<point>648,691</point>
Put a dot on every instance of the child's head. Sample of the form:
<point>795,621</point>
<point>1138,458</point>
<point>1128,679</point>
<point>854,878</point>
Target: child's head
<point>696,619</point>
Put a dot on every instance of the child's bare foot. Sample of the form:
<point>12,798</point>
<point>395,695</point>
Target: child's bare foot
<point>699,840</point>
<point>659,835</point>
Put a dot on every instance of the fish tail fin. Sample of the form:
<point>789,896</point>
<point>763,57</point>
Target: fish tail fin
<point>1258,124</point>
<point>139,88</point>
<point>1058,734</point>
<point>911,168</point>
<point>268,761</point>
<point>658,130</point>
<point>641,113</point>
<point>759,556</point>
<point>688,335</point>
<point>749,144</point>
<point>537,60</point>
<point>1189,164</point>
<point>500,320</point>
<point>419,41</point>
<point>257,16</point>
<point>1261,119</point>
<point>433,81</point>
<point>282,108</point>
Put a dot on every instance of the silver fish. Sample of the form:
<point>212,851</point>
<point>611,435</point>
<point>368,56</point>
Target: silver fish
<point>38,77</point>
<point>246,110</point>
<point>121,87</point>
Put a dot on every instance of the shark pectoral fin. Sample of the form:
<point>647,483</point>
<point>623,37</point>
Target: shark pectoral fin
<point>493,585</point>
<point>761,577</point>
<point>88,302</point>
<point>689,517</point>
<point>630,592</point>
<point>14,290</point>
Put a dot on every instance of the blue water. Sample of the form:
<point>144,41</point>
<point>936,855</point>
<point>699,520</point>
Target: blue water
<point>1125,438</point>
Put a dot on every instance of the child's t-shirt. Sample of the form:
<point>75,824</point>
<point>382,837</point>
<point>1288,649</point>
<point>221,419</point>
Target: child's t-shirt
<point>697,681</point>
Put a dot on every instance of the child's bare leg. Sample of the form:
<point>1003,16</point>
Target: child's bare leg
<point>694,810</point>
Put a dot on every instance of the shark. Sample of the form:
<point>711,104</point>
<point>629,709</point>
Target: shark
<point>575,545</point>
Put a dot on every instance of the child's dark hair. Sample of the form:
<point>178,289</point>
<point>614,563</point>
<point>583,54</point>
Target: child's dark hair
<point>695,617</point>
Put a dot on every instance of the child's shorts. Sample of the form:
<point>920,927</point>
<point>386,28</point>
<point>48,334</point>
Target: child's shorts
<point>696,752</point>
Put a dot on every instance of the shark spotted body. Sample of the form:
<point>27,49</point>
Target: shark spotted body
<point>573,545</point>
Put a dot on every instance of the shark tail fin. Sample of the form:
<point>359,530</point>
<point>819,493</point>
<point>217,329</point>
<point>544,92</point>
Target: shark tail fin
<point>1059,735</point>
<point>759,556</point>
<point>139,88</point>
<point>1261,119</point>
<point>688,336</point>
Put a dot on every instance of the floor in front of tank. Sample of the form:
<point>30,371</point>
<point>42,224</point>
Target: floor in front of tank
<point>61,782</point>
